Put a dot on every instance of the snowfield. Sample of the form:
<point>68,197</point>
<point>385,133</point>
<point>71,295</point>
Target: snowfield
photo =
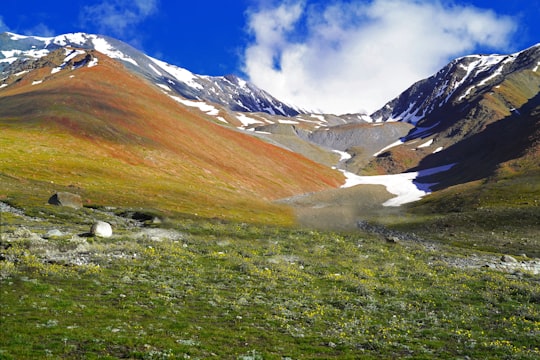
<point>403,185</point>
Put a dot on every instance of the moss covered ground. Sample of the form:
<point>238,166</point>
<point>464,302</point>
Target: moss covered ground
<point>229,290</point>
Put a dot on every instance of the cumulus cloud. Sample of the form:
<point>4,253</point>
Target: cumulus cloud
<point>117,17</point>
<point>355,56</point>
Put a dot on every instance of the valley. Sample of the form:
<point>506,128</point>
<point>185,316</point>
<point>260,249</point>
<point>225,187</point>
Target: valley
<point>247,228</point>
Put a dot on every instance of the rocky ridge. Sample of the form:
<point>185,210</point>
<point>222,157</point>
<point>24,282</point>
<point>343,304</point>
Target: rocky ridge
<point>229,91</point>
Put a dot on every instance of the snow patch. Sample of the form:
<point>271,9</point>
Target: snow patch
<point>201,105</point>
<point>437,150</point>
<point>164,87</point>
<point>246,120</point>
<point>291,122</point>
<point>103,46</point>
<point>93,62</point>
<point>63,40</point>
<point>426,144</point>
<point>13,36</point>
<point>70,55</point>
<point>3,86</point>
<point>403,185</point>
<point>178,73</point>
<point>37,82</point>
<point>399,142</point>
<point>317,116</point>
<point>9,61</point>
<point>344,155</point>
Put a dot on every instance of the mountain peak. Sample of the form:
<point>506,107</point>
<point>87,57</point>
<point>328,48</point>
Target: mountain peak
<point>456,82</point>
<point>228,91</point>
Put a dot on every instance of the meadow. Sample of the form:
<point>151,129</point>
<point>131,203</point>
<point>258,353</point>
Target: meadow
<point>198,289</point>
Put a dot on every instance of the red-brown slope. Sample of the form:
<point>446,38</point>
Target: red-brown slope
<point>115,117</point>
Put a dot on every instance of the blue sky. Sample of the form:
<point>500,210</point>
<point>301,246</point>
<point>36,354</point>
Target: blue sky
<point>337,56</point>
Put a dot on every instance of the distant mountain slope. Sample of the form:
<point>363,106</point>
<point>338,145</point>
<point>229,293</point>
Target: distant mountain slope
<point>457,111</point>
<point>228,91</point>
<point>458,83</point>
<point>75,119</point>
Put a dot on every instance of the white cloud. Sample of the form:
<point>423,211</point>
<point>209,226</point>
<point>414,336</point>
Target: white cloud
<point>349,57</point>
<point>117,17</point>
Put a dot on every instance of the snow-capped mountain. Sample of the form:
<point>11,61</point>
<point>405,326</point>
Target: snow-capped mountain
<point>229,91</point>
<point>459,82</point>
<point>479,112</point>
<point>429,125</point>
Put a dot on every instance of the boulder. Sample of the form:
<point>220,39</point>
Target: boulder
<point>66,199</point>
<point>508,259</point>
<point>53,233</point>
<point>101,229</point>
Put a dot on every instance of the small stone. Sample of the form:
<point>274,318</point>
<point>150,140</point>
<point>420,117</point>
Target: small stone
<point>392,239</point>
<point>101,229</point>
<point>508,259</point>
<point>53,233</point>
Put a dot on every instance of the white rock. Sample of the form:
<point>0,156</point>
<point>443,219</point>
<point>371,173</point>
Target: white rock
<point>101,229</point>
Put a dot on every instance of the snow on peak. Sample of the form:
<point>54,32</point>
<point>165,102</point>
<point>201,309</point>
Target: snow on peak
<point>65,39</point>
<point>103,46</point>
<point>178,73</point>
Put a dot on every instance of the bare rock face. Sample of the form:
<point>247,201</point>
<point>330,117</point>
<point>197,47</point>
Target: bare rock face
<point>66,199</point>
<point>101,229</point>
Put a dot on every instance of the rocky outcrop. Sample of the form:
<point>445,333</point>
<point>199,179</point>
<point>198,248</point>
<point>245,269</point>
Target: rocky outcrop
<point>66,199</point>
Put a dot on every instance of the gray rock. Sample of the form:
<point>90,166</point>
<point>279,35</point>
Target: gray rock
<point>101,229</point>
<point>66,199</point>
<point>392,239</point>
<point>508,259</point>
<point>53,233</point>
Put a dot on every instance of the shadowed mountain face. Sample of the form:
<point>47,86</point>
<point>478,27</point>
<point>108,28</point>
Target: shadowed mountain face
<point>477,112</point>
<point>512,141</point>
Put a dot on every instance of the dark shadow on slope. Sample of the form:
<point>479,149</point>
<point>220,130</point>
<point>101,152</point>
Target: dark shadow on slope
<point>478,156</point>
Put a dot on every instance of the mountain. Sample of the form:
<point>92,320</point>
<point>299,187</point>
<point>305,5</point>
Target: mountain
<point>228,91</point>
<point>477,118</point>
<point>465,113</point>
<point>76,119</point>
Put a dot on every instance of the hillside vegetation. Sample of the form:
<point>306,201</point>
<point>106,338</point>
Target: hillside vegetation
<point>210,289</point>
<point>117,141</point>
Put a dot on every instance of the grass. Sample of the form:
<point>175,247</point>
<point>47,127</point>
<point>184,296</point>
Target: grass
<point>238,291</point>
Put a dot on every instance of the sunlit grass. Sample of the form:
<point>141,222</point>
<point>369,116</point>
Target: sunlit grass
<point>232,290</point>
